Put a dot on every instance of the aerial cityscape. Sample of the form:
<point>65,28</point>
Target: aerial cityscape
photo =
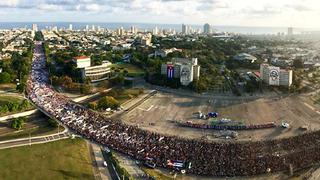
<point>159,89</point>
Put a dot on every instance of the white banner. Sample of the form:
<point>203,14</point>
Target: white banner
<point>274,76</point>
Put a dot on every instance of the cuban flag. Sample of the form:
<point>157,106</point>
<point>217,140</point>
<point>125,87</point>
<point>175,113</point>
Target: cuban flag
<point>170,71</point>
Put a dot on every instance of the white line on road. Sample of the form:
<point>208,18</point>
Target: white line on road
<point>146,109</point>
<point>311,107</point>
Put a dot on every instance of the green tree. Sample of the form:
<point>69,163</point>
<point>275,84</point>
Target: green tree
<point>5,77</point>
<point>297,63</point>
<point>108,102</point>
<point>24,104</point>
<point>17,123</point>
<point>92,105</point>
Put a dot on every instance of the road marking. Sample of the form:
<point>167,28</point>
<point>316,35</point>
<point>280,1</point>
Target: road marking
<point>311,107</point>
<point>146,109</point>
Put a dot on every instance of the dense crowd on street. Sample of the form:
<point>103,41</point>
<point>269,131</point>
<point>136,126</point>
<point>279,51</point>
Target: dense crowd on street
<point>227,158</point>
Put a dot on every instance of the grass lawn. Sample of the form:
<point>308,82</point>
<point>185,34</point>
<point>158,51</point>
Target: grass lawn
<point>64,159</point>
<point>8,87</point>
<point>35,131</point>
<point>157,174</point>
<point>132,69</point>
<point>4,99</point>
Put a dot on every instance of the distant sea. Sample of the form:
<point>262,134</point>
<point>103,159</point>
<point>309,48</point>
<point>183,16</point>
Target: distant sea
<point>146,26</point>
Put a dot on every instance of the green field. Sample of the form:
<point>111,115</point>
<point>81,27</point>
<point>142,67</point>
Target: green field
<point>8,87</point>
<point>34,131</point>
<point>4,99</point>
<point>132,69</point>
<point>156,174</point>
<point>65,159</point>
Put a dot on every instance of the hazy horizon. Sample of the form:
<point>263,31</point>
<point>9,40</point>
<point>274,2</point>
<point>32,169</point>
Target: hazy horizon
<point>245,13</point>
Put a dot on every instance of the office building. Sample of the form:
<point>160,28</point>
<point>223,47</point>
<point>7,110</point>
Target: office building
<point>274,76</point>
<point>207,29</point>
<point>185,29</point>
<point>187,70</point>
<point>70,27</point>
<point>133,30</point>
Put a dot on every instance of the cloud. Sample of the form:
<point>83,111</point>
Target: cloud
<point>169,11</point>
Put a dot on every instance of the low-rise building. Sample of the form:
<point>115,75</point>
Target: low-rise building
<point>97,73</point>
<point>245,57</point>
<point>275,76</point>
<point>82,61</point>
<point>186,69</point>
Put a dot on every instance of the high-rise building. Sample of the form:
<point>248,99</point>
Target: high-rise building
<point>34,27</point>
<point>185,29</point>
<point>87,27</point>
<point>120,31</point>
<point>155,31</point>
<point>290,31</point>
<point>133,30</point>
<point>70,27</point>
<point>93,28</point>
<point>207,29</point>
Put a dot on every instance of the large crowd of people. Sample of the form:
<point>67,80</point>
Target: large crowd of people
<point>207,157</point>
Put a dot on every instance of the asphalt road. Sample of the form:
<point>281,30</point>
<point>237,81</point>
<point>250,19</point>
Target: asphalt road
<point>33,140</point>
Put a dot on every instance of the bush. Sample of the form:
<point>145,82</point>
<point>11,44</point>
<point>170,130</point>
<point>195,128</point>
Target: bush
<point>4,109</point>
<point>17,123</point>
<point>108,102</point>
<point>24,104</point>
<point>92,105</point>
<point>5,77</point>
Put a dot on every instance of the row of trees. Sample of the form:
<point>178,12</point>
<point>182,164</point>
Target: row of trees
<point>14,106</point>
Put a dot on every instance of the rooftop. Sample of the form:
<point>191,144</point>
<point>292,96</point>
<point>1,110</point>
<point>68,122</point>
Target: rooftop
<point>81,57</point>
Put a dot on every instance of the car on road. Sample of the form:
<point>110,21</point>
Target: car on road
<point>105,164</point>
<point>106,149</point>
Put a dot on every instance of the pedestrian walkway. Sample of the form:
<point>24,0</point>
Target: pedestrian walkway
<point>104,173</point>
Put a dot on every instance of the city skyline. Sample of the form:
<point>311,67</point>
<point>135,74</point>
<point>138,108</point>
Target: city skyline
<point>271,13</point>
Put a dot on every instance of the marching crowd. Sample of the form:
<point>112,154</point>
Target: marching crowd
<point>207,158</point>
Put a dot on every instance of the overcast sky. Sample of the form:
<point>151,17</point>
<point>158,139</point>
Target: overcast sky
<point>280,13</point>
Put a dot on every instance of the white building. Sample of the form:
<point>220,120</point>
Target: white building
<point>82,61</point>
<point>34,27</point>
<point>275,76</point>
<point>97,73</point>
<point>70,27</point>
